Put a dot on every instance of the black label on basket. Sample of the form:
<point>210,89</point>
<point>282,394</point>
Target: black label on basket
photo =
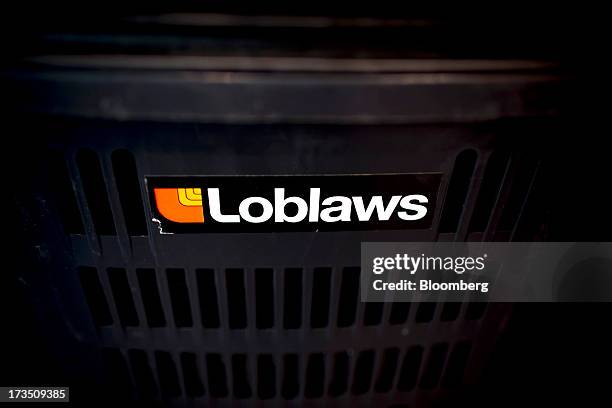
<point>199,204</point>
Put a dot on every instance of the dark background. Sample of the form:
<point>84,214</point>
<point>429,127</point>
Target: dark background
<point>551,353</point>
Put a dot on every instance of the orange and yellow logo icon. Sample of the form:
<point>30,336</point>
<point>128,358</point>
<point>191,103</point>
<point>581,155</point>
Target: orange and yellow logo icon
<point>183,205</point>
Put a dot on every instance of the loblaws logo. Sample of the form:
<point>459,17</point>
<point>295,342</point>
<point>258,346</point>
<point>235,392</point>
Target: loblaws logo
<point>182,205</point>
<point>292,203</point>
